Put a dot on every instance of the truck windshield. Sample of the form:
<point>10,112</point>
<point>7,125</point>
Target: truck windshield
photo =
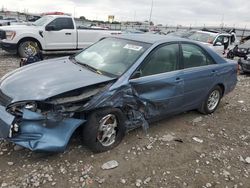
<point>42,21</point>
<point>202,37</point>
<point>112,55</point>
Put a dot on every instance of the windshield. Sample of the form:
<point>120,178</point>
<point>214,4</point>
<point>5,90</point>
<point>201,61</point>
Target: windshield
<point>42,21</point>
<point>202,37</point>
<point>112,56</point>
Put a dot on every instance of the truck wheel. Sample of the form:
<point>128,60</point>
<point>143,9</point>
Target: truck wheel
<point>212,101</point>
<point>28,48</point>
<point>104,129</point>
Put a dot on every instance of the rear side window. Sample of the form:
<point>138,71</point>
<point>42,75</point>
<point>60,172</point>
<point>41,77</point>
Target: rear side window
<point>62,23</point>
<point>194,56</point>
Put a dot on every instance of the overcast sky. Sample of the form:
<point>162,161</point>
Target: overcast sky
<point>171,12</point>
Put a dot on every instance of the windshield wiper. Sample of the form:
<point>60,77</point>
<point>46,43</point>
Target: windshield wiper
<point>90,68</point>
<point>72,58</point>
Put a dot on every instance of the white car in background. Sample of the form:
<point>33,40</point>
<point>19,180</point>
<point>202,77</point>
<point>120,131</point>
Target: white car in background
<point>49,33</point>
<point>220,42</point>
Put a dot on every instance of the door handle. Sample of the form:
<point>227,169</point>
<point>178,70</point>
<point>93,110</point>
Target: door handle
<point>67,33</point>
<point>178,79</point>
<point>213,72</point>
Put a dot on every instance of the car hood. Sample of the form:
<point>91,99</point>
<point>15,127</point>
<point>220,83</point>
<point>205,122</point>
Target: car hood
<point>46,79</point>
<point>20,27</point>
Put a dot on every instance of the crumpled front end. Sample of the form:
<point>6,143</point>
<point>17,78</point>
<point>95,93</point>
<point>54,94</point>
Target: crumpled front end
<point>36,131</point>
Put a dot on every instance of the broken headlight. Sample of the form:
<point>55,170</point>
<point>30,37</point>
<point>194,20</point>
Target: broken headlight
<point>17,108</point>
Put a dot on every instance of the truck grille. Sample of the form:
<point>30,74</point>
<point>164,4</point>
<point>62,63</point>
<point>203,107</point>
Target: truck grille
<point>2,35</point>
<point>4,99</point>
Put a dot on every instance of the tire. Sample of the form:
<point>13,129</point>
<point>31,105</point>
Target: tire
<point>28,48</point>
<point>209,106</point>
<point>93,131</point>
<point>230,55</point>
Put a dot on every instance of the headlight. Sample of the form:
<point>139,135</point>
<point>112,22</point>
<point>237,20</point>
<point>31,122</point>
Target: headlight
<point>17,108</point>
<point>32,106</point>
<point>10,35</point>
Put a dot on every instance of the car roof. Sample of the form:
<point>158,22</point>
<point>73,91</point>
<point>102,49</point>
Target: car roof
<point>150,38</point>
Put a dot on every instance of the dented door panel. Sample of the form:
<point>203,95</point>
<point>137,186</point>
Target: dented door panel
<point>164,91</point>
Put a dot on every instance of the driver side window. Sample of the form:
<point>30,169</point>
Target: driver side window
<point>163,59</point>
<point>62,23</point>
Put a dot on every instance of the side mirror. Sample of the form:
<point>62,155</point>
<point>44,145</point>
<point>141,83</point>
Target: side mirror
<point>137,74</point>
<point>50,28</point>
<point>218,44</point>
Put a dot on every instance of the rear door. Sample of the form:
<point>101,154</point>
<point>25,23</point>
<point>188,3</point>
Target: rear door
<point>63,36</point>
<point>199,74</point>
<point>160,83</point>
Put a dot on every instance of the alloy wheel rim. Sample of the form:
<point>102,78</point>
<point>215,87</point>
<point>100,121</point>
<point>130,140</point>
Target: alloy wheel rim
<point>107,130</point>
<point>213,100</point>
<point>30,48</point>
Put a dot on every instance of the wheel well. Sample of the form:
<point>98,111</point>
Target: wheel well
<point>222,88</point>
<point>30,39</point>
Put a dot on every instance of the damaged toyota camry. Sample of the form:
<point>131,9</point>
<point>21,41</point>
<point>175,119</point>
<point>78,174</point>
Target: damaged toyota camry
<point>118,84</point>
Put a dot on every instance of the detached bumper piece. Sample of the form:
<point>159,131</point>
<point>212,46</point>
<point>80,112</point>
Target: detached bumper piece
<point>37,132</point>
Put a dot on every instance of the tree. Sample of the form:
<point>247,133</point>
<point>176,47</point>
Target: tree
<point>82,18</point>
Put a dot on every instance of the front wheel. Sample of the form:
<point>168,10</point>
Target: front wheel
<point>230,55</point>
<point>212,101</point>
<point>104,130</point>
<point>28,48</point>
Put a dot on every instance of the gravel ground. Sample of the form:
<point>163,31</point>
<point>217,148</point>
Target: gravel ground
<point>188,150</point>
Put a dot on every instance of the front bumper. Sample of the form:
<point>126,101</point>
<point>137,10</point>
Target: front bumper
<point>9,47</point>
<point>38,133</point>
<point>245,65</point>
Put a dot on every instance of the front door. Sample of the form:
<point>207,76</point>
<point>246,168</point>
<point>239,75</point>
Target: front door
<point>63,35</point>
<point>160,84</point>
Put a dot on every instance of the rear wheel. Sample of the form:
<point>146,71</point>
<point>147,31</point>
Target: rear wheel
<point>212,101</point>
<point>104,130</point>
<point>28,48</point>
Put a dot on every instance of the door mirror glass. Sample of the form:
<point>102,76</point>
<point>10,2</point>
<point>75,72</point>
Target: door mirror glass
<point>137,74</point>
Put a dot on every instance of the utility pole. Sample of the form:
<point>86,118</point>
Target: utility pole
<point>135,16</point>
<point>151,10</point>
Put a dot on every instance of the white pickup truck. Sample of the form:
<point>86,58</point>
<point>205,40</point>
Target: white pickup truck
<point>49,33</point>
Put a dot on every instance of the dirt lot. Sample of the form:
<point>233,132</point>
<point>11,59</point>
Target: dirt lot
<point>188,150</point>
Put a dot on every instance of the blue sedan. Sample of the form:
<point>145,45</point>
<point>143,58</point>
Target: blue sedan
<point>119,83</point>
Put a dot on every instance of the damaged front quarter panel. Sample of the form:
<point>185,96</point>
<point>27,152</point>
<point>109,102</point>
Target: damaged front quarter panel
<point>43,132</point>
<point>51,129</point>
